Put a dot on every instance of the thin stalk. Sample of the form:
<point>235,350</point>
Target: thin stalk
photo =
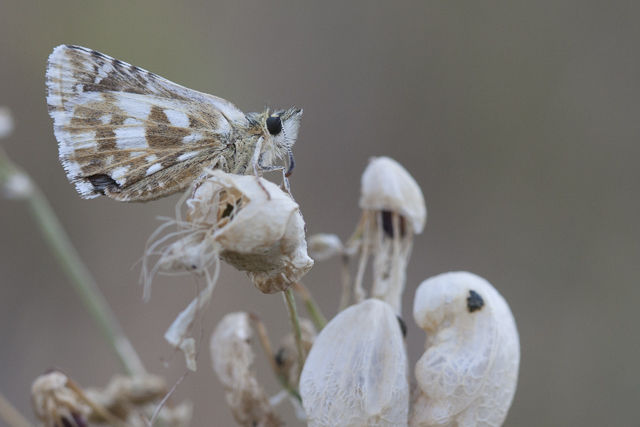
<point>346,284</point>
<point>80,278</point>
<point>295,325</point>
<point>314,310</point>
<point>11,415</point>
<point>268,349</point>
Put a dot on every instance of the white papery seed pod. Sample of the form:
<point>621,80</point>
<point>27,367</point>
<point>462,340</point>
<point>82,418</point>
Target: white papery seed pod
<point>387,186</point>
<point>323,246</point>
<point>468,373</point>
<point>356,372</point>
<point>232,359</point>
<point>266,236</point>
<point>393,211</point>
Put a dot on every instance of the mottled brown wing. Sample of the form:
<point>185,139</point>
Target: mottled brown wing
<point>129,134</point>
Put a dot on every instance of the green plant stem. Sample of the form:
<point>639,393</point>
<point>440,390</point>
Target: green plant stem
<point>80,278</point>
<point>295,325</point>
<point>314,311</point>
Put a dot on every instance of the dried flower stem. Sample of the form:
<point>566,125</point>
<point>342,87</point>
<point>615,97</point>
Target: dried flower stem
<point>295,324</point>
<point>11,415</point>
<point>261,329</point>
<point>314,310</point>
<point>81,280</point>
<point>346,284</point>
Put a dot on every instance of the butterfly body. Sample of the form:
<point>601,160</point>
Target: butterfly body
<point>131,135</point>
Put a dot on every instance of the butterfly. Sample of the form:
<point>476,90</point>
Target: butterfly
<point>134,136</point>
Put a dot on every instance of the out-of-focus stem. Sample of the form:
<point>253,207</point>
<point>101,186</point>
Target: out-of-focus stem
<point>261,329</point>
<point>80,278</point>
<point>11,415</point>
<point>314,311</point>
<point>346,285</point>
<point>295,324</point>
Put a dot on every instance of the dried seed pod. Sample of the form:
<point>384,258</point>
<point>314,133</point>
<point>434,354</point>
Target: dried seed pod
<point>265,236</point>
<point>56,404</point>
<point>287,356</point>
<point>468,373</point>
<point>246,221</point>
<point>356,372</point>
<point>393,211</point>
<point>232,359</point>
<point>387,186</point>
<point>123,394</point>
<point>323,246</point>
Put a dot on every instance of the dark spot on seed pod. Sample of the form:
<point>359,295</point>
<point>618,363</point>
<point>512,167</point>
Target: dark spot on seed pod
<point>279,357</point>
<point>227,211</point>
<point>387,224</point>
<point>403,326</point>
<point>474,301</point>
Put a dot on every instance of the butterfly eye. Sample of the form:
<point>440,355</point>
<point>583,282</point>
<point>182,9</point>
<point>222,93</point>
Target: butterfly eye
<point>274,125</point>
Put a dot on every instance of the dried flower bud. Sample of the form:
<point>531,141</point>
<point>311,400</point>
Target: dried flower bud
<point>232,359</point>
<point>323,246</point>
<point>287,356</point>
<point>468,373</point>
<point>56,404</point>
<point>387,186</point>
<point>356,372</point>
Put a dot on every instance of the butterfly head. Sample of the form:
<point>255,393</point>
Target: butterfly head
<point>280,129</point>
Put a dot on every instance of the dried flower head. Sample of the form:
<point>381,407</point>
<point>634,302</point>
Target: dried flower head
<point>468,373</point>
<point>356,372</point>
<point>387,186</point>
<point>56,404</point>
<point>249,223</point>
<point>232,359</point>
<point>265,234</point>
<point>393,210</point>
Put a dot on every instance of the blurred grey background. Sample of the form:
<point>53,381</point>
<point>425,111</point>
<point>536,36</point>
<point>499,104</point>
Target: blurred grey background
<point>519,120</point>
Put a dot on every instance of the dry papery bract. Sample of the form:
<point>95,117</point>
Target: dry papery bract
<point>468,373</point>
<point>356,372</point>
<point>126,401</point>
<point>245,221</point>
<point>232,358</point>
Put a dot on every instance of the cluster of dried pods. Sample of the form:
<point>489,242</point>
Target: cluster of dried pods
<point>355,371</point>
